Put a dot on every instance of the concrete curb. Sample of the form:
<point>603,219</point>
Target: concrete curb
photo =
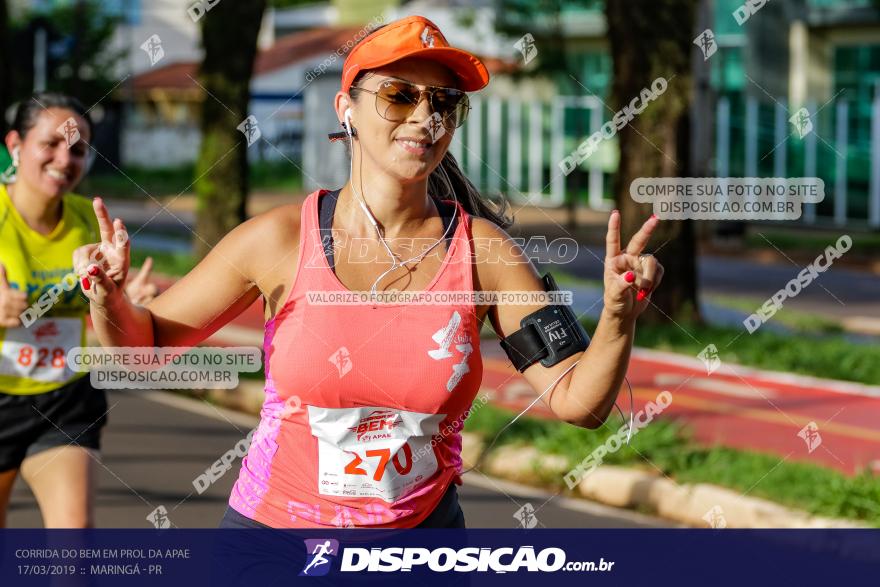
<point>700,505</point>
<point>524,464</point>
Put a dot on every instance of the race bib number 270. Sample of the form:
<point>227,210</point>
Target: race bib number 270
<point>373,451</point>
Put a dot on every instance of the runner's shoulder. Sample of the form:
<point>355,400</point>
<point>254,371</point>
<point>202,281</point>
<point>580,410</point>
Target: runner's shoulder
<point>268,236</point>
<point>493,242</point>
<point>485,228</point>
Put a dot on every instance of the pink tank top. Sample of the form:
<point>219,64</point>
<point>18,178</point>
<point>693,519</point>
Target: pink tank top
<point>364,404</point>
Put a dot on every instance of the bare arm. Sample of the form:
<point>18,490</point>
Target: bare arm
<point>219,288</point>
<point>585,396</point>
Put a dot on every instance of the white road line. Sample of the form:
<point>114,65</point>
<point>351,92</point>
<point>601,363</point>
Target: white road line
<point>716,385</point>
<point>842,387</point>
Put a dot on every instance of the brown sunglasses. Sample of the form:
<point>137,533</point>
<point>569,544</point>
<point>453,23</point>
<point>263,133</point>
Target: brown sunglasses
<point>396,99</point>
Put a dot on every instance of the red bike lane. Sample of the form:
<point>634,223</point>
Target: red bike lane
<point>734,406</point>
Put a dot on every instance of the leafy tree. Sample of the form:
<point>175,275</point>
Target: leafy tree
<point>229,37</point>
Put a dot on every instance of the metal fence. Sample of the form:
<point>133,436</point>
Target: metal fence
<point>515,147</point>
<point>841,146</point>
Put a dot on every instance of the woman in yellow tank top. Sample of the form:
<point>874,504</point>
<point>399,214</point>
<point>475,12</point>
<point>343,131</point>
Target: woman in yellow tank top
<point>50,416</point>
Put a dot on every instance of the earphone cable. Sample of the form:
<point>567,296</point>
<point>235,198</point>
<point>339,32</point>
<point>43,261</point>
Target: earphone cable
<point>396,262</point>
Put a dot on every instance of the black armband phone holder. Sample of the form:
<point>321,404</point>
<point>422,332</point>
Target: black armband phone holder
<point>549,335</point>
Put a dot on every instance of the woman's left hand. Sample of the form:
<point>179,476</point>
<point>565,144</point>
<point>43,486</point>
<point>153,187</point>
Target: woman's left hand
<point>630,276</point>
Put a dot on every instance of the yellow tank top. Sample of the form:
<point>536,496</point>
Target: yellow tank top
<point>33,357</point>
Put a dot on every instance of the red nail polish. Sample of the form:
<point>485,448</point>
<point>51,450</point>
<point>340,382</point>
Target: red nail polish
<point>93,270</point>
<point>642,294</point>
<point>653,216</point>
<point>86,284</point>
<point>614,211</point>
<point>629,276</point>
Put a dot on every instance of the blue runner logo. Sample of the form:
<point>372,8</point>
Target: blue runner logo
<point>319,554</point>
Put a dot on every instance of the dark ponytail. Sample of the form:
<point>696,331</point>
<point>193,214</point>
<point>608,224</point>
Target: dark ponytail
<point>448,181</point>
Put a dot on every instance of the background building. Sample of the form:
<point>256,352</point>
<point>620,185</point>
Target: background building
<point>819,55</point>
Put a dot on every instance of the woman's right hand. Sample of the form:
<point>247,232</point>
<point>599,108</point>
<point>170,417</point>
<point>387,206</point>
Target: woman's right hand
<point>103,267</point>
<point>12,303</point>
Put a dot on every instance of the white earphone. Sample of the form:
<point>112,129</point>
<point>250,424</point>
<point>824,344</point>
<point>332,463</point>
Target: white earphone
<point>347,123</point>
<point>16,153</point>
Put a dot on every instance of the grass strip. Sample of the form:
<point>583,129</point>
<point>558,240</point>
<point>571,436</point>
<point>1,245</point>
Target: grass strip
<point>810,243</point>
<point>796,320</point>
<point>827,356</point>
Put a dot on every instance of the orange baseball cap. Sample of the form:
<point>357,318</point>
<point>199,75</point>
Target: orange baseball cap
<point>414,36</point>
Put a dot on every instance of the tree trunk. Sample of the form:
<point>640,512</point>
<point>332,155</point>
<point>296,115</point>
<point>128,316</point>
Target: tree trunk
<point>5,69</point>
<point>651,39</point>
<point>229,37</point>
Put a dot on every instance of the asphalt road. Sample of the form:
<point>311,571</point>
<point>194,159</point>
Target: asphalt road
<point>156,444</point>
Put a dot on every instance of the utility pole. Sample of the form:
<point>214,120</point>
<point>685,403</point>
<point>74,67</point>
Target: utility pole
<point>40,57</point>
<point>704,100</point>
<point>703,106</point>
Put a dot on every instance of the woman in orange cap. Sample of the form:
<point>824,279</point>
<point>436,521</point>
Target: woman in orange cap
<point>365,397</point>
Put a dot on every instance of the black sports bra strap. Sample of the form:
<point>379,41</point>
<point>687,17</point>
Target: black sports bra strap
<point>326,207</point>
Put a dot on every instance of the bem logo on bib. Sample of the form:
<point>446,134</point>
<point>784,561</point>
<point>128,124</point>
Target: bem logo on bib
<point>46,330</point>
<point>377,421</point>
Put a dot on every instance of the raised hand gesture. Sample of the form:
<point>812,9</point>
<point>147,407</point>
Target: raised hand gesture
<point>12,302</point>
<point>139,289</point>
<point>630,276</point>
<point>103,267</point>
